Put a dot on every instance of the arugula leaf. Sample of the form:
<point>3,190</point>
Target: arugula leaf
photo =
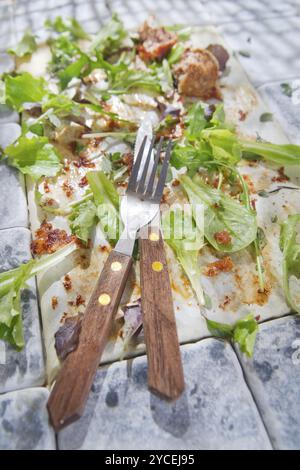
<point>224,145</point>
<point>11,284</point>
<point>110,37</point>
<point>243,332</point>
<point>26,46</point>
<point>64,51</point>
<point>34,156</point>
<point>291,260</point>
<point>175,54</point>
<point>186,241</point>
<point>287,154</point>
<point>286,89</point>
<point>189,156</point>
<point>222,214</point>
<point>24,88</point>
<point>195,122</point>
<point>74,70</point>
<point>106,199</point>
<point>69,25</point>
<point>83,219</point>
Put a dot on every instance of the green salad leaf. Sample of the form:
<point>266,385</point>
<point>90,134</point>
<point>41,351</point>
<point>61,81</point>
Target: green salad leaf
<point>243,332</point>
<point>11,284</point>
<point>106,199</point>
<point>34,156</point>
<point>82,219</point>
<point>222,215</point>
<point>26,46</point>
<point>290,248</point>
<point>69,25</point>
<point>24,88</point>
<point>285,155</point>
<point>185,240</point>
<point>110,37</point>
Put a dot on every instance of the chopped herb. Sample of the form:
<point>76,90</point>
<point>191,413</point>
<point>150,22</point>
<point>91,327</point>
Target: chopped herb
<point>266,117</point>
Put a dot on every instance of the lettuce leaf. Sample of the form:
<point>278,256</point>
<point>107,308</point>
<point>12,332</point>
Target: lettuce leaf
<point>222,214</point>
<point>11,284</point>
<point>23,88</point>
<point>243,332</point>
<point>290,248</point>
<point>110,37</point>
<point>34,156</point>
<point>106,199</point>
<point>186,241</point>
<point>26,46</point>
<point>82,220</point>
<point>69,25</point>
<point>285,155</point>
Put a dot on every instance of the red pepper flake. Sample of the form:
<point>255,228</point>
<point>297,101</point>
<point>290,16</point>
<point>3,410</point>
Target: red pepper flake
<point>79,300</point>
<point>175,183</point>
<point>223,265</point>
<point>225,302</point>
<point>242,115</point>
<point>54,302</point>
<point>281,178</point>
<point>223,237</point>
<point>67,188</point>
<point>127,159</point>
<point>46,187</point>
<point>257,318</point>
<point>49,239</point>
<point>83,182</point>
<point>253,204</point>
<point>67,283</point>
<point>84,162</point>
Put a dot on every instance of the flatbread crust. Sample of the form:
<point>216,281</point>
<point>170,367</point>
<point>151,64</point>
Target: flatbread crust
<point>233,294</point>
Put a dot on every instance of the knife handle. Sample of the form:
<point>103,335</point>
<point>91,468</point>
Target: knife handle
<point>165,373</point>
<point>69,395</point>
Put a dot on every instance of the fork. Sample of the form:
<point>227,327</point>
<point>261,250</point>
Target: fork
<point>138,207</point>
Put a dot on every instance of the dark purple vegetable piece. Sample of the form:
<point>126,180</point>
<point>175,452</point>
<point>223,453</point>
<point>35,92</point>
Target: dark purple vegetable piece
<point>67,336</point>
<point>220,54</point>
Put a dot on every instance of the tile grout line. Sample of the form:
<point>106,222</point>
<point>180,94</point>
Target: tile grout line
<point>255,401</point>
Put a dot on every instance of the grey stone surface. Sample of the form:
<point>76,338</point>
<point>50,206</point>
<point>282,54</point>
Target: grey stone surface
<point>13,204</point>
<point>285,108</point>
<point>7,63</point>
<point>90,13</point>
<point>223,11</point>
<point>273,45</point>
<point>8,115</point>
<point>274,377</point>
<point>215,412</point>
<point>24,421</point>
<point>25,368</point>
<point>134,12</point>
<point>9,132</point>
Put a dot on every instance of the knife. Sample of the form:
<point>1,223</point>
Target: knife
<point>165,372</point>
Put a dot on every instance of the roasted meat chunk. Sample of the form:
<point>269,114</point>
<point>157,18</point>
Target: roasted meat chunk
<point>197,73</point>
<point>155,42</point>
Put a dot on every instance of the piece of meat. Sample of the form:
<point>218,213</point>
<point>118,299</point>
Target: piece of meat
<point>223,265</point>
<point>197,73</point>
<point>67,336</point>
<point>155,42</point>
<point>220,54</point>
<point>49,239</point>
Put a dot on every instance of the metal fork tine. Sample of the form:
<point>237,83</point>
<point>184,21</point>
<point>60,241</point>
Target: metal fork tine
<point>132,182</point>
<point>163,174</point>
<point>141,184</point>
<point>150,184</point>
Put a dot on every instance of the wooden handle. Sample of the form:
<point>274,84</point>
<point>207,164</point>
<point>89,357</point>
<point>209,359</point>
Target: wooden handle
<point>69,395</point>
<point>165,373</point>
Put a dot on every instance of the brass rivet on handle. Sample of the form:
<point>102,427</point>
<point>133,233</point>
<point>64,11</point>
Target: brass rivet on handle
<point>104,299</point>
<point>157,266</point>
<point>153,237</point>
<point>116,266</point>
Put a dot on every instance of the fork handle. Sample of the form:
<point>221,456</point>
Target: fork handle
<point>165,373</point>
<point>69,395</point>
